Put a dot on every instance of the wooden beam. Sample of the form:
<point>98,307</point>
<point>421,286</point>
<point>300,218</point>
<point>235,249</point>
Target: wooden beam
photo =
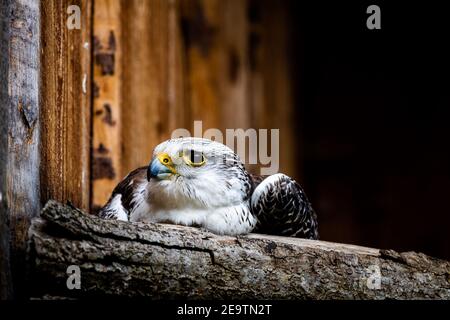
<point>65,95</point>
<point>126,259</point>
<point>19,128</point>
<point>6,291</point>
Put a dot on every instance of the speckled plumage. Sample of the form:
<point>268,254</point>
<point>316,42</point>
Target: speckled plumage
<point>219,195</point>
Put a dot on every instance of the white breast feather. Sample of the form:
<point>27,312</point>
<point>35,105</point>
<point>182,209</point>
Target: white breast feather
<point>170,204</point>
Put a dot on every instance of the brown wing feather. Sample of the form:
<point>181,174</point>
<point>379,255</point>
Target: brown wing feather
<point>127,188</point>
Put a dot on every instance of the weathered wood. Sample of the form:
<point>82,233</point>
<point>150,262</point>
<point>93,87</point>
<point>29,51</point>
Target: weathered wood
<point>19,106</point>
<point>167,261</point>
<point>107,121</point>
<point>5,269</point>
<point>65,96</point>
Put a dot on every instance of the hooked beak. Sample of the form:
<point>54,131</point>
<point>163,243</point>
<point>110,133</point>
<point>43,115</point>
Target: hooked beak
<point>161,167</point>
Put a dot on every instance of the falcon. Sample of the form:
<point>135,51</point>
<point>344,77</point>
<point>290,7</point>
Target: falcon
<point>203,183</point>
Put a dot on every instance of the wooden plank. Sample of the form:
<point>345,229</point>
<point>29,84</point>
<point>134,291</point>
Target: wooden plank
<point>19,127</point>
<point>234,76</point>
<point>65,93</point>
<point>178,113</point>
<point>106,170</point>
<point>216,45</point>
<point>201,24</point>
<point>145,80</point>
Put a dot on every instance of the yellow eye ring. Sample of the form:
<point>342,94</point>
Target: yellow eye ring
<point>194,158</point>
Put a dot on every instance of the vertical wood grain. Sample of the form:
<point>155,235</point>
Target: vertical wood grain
<point>107,120</point>
<point>6,290</point>
<point>65,97</point>
<point>234,65</point>
<point>149,85</point>
<point>19,127</point>
<point>145,90</point>
<point>178,113</point>
<point>201,25</point>
<point>218,65</point>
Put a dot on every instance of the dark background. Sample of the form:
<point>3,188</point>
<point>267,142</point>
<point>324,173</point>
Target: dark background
<point>374,107</point>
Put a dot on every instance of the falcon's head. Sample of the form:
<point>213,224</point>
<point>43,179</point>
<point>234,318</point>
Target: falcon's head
<point>196,173</point>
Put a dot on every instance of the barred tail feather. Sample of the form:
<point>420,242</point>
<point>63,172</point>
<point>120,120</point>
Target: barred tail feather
<point>282,208</point>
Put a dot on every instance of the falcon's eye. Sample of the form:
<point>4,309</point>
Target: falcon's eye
<point>194,158</point>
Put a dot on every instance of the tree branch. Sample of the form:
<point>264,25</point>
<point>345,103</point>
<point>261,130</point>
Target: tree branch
<point>168,261</point>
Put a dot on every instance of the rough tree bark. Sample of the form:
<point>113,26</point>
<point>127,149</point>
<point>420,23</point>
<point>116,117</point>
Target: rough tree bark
<point>167,261</point>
